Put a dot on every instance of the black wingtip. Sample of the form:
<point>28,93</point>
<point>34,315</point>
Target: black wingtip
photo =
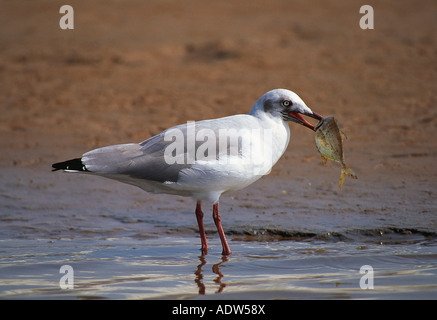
<point>73,165</point>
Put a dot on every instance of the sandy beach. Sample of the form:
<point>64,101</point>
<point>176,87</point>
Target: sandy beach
<point>131,69</point>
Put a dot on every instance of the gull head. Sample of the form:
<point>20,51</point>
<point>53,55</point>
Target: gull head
<point>286,105</point>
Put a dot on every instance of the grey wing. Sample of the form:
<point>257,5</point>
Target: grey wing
<point>149,160</point>
<point>139,161</point>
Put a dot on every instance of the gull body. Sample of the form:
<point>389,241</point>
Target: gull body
<point>203,159</point>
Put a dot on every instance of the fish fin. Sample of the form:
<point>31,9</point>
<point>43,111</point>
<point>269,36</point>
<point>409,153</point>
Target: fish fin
<point>324,159</point>
<point>345,170</point>
<point>343,135</point>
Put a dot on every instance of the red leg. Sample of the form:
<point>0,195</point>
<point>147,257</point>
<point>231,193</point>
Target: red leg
<point>199,217</point>
<point>218,223</point>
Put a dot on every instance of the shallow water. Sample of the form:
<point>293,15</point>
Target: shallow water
<point>169,268</point>
<point>125,244</point>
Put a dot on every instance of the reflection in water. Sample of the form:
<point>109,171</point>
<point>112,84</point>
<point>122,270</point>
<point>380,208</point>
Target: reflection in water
<point>216,269</point>
<point>199,275</point>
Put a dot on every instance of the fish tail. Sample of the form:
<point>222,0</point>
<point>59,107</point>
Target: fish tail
<point>342,176</point>
<point>345,170</point>
<point>349,172</point>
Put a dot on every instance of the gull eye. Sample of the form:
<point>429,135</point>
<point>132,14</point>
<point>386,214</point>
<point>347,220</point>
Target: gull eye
<point>287,103</point>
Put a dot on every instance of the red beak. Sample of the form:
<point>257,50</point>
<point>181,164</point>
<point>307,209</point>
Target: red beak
<point>302,121</point>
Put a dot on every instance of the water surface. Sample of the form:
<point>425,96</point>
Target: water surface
<point>123,243</point>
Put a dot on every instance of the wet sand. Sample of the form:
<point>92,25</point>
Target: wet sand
<point>128,71</point>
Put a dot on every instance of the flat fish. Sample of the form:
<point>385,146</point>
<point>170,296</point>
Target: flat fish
<point>329,142</point>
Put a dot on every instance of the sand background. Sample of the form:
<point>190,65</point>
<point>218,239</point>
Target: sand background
<point>130,69</point>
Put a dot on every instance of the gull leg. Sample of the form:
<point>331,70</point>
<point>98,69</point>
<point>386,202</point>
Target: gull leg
<point>218,223</point>
<point>199,217</point>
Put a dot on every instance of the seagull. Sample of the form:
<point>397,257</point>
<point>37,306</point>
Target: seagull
<point>203,159</point>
